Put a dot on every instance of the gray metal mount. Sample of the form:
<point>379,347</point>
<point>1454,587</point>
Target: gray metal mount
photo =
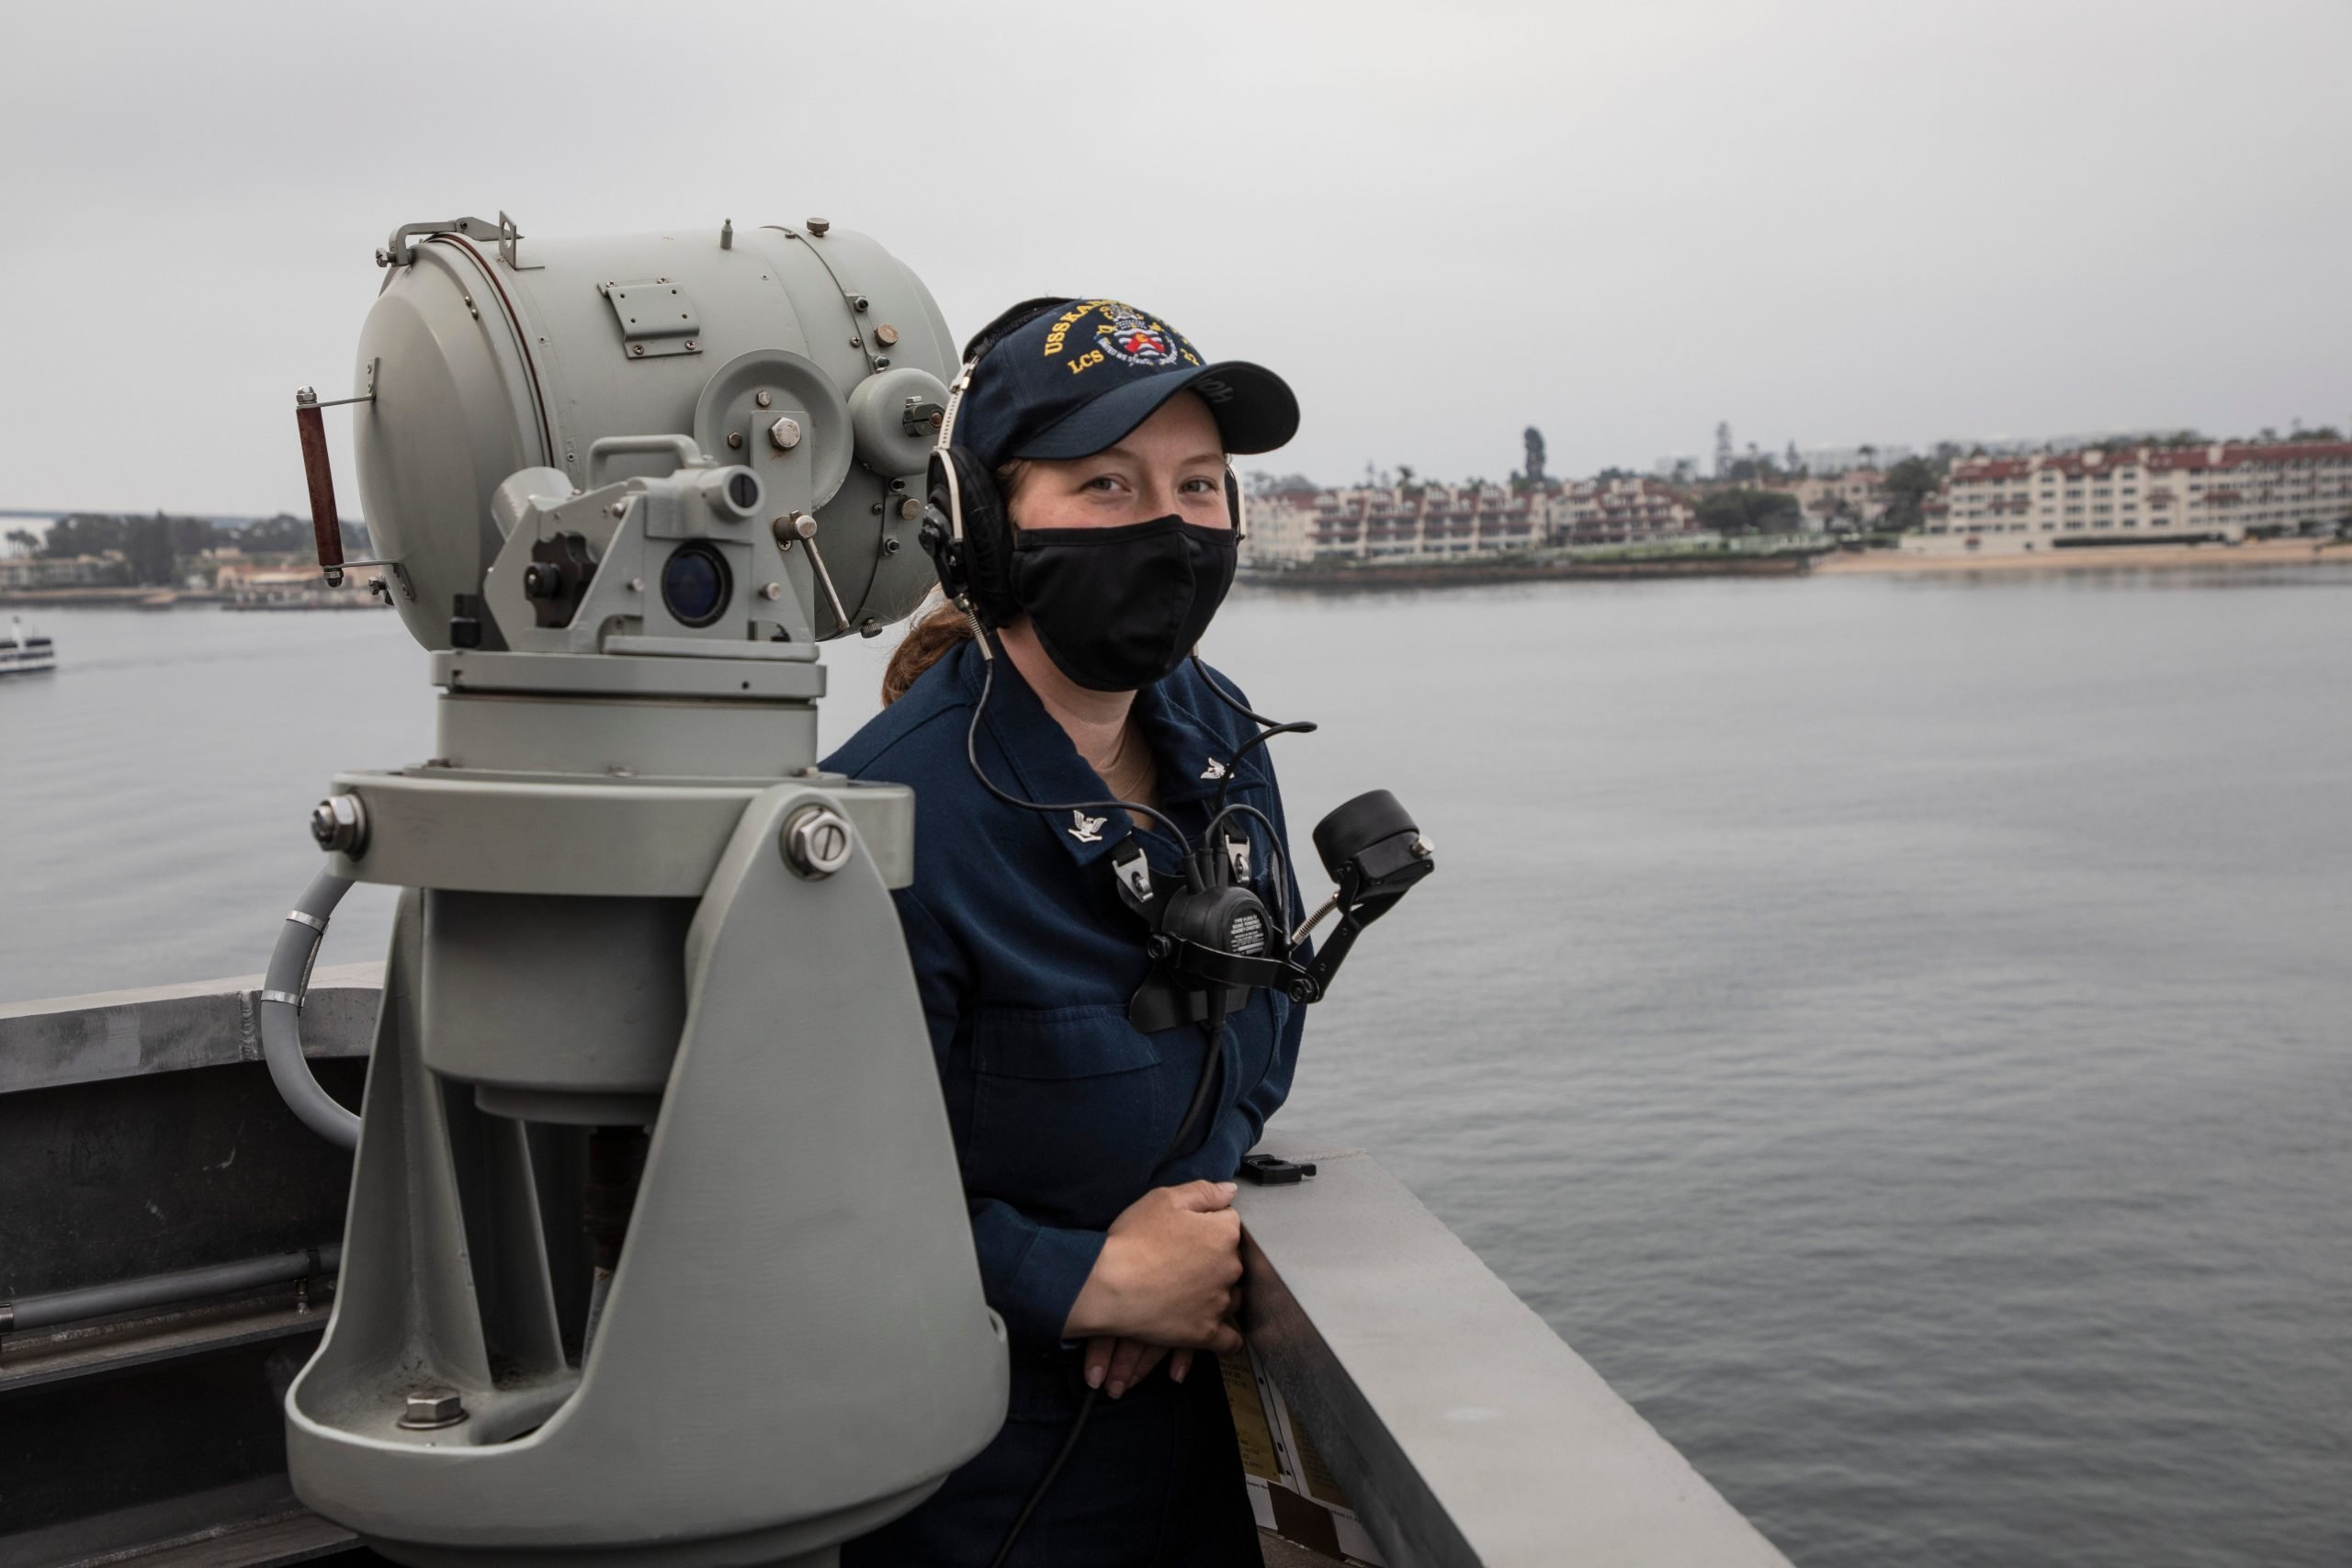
<point>646,984</point>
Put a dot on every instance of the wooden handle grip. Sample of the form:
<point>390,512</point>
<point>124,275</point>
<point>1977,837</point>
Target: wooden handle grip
<point>326,524</point>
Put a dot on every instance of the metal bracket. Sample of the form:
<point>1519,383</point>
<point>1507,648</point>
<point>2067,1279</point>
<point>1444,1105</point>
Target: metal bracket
<point>305,398</point>
<point>398,251</point>
<point>656,318</point>
<point>508,235</point>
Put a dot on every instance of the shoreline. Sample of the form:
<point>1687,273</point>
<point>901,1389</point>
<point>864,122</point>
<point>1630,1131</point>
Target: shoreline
<point>2113,557</point>
<point>1486,574</point>
<point>1489,571</point>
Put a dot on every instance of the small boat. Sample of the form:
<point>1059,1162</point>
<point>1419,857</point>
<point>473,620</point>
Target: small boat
<point>23,653</point>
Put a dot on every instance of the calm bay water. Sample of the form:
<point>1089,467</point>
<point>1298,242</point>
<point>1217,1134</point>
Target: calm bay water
<point>1900,1031</point>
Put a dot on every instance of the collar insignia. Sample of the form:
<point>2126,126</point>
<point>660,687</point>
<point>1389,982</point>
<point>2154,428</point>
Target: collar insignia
<point>1215,771</point>
<point>1086,830</point>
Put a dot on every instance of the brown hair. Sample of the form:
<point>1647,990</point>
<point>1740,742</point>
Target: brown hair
<point>936,631</point>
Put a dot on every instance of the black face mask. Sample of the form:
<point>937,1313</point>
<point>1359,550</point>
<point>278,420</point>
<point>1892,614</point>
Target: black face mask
<point>1119,608</point>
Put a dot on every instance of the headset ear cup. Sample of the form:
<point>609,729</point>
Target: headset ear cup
<point>988,540</point>
<point>938,533</point>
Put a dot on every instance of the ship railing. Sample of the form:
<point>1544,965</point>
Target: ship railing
<point>1414,1410</point>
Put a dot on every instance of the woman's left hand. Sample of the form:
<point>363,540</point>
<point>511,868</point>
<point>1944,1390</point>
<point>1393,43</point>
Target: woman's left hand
<point>1116,1365</point>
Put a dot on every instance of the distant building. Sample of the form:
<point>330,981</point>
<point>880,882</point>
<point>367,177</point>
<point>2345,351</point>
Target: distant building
<point>1855,498</point>
<point>1289,527</point>
<point>53,571</point>
<point>254,576</point>
<point>1619,511</point>
<point>2148,494</point>
<point>1278,526</point>
<point>1394,523</point>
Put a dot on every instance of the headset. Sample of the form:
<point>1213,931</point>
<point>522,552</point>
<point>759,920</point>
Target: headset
<point>1210,937</point>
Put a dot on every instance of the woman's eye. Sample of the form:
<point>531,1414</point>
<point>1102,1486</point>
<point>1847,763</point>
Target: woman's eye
<point>1200,486</point>
<point>1101,483</point>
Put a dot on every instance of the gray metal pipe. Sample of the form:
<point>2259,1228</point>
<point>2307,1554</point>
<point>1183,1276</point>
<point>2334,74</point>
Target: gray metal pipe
<point>282,1012</point>
<point>161,1289</point>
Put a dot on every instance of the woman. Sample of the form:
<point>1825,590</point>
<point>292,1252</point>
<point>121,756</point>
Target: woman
<point>1107,1242</point>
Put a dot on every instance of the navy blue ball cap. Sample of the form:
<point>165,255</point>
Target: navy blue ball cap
<point>1068,378</point>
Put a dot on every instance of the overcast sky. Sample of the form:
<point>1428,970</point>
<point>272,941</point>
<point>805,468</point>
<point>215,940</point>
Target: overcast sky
<point>1827,223</point>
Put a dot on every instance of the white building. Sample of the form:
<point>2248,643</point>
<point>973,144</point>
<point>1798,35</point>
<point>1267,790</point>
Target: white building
<point>1619,511</point>
<point>1278,528</point>
<point>51,571</point>
<point>1852,497</point>
<point>2145,496</point>
<point>1395,523</point>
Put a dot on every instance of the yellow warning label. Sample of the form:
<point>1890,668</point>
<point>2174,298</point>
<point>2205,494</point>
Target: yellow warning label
<point>1250,1422</point>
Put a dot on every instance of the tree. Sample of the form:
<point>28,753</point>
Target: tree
<point>147,550</point>
<point>1743,511</point>
<point>1908,485</point>
<point>25,539</point>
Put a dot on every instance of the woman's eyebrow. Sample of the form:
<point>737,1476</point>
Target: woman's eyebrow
<point>1125,455</point>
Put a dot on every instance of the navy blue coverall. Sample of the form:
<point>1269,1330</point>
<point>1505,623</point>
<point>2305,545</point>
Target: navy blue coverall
<point>1026,959</point>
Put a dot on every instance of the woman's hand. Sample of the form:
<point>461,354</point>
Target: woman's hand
<point>1167,1276</point>
<point>1116,1365</point>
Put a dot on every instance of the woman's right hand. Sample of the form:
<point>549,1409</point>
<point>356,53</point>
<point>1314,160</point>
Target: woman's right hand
<point>1168,1273</point>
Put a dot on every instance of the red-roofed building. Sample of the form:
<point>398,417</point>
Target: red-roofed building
<point>1422,522</point>
<point>1620,512</point>
<point>2147,494</point>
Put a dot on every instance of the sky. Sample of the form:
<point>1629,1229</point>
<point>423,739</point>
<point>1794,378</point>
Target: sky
<point>1825,222</point>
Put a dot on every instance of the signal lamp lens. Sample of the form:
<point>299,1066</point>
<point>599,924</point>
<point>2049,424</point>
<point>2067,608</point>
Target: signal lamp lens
<point>695,585</point>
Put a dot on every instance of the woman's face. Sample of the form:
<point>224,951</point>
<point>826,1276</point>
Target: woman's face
<point>1171,464</point>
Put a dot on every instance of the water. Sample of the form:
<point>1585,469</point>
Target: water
<point>1895,1029</point>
